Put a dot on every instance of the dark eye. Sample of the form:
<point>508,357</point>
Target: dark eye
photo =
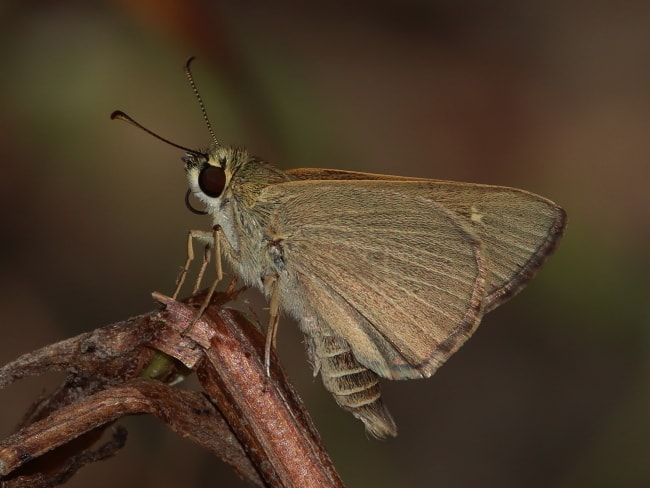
<point>212,180</point>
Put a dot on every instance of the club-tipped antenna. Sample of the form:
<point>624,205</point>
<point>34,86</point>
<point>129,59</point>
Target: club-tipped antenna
<point>119,115</point>
<point>190,78</point>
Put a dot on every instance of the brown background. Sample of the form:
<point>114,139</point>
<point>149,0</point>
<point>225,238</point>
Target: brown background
<point>553,97</point>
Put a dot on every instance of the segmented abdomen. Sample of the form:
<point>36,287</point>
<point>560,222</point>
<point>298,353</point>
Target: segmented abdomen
<point>354,387</point>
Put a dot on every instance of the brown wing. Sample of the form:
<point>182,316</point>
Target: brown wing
<point>397,275</point>
<point>517,229</point>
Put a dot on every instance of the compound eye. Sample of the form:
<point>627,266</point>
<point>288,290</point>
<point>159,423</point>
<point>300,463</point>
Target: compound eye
<point>212,181</point>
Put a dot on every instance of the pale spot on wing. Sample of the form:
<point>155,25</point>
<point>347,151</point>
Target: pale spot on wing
<point>476,217</point>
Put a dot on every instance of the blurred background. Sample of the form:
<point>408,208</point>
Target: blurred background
<point>554,388</point>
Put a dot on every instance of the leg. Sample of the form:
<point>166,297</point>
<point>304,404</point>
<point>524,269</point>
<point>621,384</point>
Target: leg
<point>271,288</point>
<point>216,241</point>
<point>207,252</point>
<point>209,238</point>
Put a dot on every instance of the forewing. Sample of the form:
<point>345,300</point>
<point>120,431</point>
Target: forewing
<point>517,229</point>
<point>397,275</point>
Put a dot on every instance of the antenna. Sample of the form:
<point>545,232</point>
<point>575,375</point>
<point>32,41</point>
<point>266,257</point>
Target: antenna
<point>119,115</point>
<point>190,78</point>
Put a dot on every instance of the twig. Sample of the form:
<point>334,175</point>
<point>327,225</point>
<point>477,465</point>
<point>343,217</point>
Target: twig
<point>256,424</point>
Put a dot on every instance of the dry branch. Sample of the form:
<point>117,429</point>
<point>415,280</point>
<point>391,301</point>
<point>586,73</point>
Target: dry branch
<point>255,423</point>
